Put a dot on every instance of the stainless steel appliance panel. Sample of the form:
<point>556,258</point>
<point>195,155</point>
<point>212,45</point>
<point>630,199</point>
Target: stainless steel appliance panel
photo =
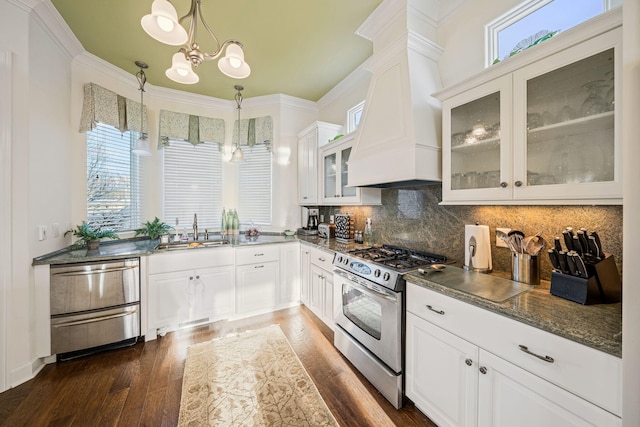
<point>86,330</point>
<point>82,287</point>
<point>373,316</point>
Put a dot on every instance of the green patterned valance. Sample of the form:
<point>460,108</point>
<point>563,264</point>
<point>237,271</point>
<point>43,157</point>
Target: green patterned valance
<point>254,131</point>
<point>193,129</point>
<point>105,106</point>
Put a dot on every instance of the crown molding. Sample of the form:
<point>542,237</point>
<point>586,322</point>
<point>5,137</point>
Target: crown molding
<point>57,28</point>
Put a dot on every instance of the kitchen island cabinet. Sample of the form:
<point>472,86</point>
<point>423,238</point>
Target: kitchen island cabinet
<point>541,127</point>
<point>497,370</point>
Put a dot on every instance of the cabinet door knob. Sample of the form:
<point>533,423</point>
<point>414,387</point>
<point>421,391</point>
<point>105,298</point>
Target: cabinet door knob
<point>469,362</point>
<point>518,183</point>
<point>198,277</point>
<point>483,370</point>
<point>190,277</point>
<point>304,197</point>
<point>503,184</point>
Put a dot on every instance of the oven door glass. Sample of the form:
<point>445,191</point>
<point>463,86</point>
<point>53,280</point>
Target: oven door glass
<point>363,309</point>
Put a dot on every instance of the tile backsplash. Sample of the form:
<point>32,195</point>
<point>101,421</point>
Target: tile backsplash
<point>412,217</point>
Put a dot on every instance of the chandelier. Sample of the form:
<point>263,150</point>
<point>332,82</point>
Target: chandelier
<point>163,25</point>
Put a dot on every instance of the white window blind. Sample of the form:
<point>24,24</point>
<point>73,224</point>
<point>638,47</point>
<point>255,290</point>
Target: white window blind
<point>192,185</point>
<point>254,186</point>
<point>113,179</point>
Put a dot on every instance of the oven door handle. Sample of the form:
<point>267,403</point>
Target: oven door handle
<point>362,287</point>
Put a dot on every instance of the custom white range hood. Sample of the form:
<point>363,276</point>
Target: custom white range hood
<point>398,142</point>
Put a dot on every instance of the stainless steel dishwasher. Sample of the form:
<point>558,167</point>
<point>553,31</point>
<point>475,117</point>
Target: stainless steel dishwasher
<point>94,306</point>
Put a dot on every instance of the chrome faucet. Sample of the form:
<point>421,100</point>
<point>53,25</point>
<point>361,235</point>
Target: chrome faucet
<point>195,226</point>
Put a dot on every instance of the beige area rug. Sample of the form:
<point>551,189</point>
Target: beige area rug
<point>250,379</point>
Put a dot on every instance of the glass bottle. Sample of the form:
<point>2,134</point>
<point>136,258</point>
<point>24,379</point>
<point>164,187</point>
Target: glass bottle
<point>223,224</point>
<point>368,233</point>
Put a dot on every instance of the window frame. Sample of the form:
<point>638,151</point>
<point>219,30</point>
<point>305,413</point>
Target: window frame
<point>352,126</point>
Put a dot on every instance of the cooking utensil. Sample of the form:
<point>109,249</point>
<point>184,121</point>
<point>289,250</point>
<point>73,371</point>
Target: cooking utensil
<point>556,243</point>
<point>583,241</point>
<point>516,237</point>
<point>505,238</point>
<point>593,247</point>
<point>568,239</point>
<point>595,234</point>
<point>432,267</point>
<point>562,259</point>
<point>571,264</point>
<point>582,269</point>
<point>532,245</point>
<point>577,246</point>
<point>553,257</point>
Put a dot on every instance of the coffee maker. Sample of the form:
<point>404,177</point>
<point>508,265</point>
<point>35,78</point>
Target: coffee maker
<point>310,217</point>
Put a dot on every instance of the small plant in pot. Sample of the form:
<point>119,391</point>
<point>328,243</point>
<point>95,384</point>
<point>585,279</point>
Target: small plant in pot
<point>90,237</point>
<point>153,229</point>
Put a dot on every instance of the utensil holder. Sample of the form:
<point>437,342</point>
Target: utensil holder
<point>525,268</point>
<point>603,285</point>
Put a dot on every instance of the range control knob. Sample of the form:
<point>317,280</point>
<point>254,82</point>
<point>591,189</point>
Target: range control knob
<point>339,258</point>
<point>346,261</point>
<point>376,273</point>
<point>386,276</point>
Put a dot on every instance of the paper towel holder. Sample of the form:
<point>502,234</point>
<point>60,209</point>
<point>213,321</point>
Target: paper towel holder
<point>477,245</point>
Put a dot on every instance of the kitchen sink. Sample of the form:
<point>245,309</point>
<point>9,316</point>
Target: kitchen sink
<point>191,245</point>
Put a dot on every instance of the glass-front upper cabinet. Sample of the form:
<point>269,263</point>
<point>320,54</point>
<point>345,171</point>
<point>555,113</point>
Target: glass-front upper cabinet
<point>335,176</point>
<point>477,142</point>
<point>568,123</point>
<point>541,127</point>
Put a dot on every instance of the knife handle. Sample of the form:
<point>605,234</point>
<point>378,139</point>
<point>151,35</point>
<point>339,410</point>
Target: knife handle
<point>598,242</point>
<point>582,269</point>
<point>571,264</point>
<point>577,246</point>
<point>593,248</point>
<point>556,244</point>
<point>553,257</point>
<point>562,260</point>
<point>568,239</point>
<point>583,241</point>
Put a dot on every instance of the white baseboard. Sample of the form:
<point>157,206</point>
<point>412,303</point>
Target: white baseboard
<point>26,372</point>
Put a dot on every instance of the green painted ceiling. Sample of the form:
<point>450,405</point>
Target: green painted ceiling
<point>301,48</point>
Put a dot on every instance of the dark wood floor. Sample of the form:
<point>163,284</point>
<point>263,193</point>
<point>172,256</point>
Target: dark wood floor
<point>141,385</point>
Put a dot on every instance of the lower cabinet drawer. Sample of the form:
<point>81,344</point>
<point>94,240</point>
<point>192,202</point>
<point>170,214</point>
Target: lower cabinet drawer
<point>322,259</point>
<point>591,374</point>
<point>257,254</point>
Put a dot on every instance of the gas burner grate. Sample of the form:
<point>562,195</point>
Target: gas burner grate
<point>396,257</point>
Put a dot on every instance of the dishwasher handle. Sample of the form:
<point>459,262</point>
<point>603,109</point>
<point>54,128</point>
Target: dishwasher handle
<point>96,271</point>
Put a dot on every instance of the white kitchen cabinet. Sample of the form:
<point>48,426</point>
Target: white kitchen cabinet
<point>305,267</point>
<point>321,292</point>
<point>289,274</point>
<point>541,127</point>
<point>257,278</point>
<point>441,373</point>
<point>551,381</point>
<point>189,287</point>
<point>309,139</point>
<point>334,182</point>
<point>511,396</point>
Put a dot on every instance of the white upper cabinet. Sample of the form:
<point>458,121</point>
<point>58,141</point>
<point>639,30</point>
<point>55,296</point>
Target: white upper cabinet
<point>335,189</point>
<point>540,127</point>
<point>309,139</point>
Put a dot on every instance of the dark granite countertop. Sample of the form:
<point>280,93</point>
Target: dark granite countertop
<point>598,326</point>
<point>127,248</point>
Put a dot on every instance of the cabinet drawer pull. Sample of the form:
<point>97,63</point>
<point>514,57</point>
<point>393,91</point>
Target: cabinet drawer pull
<point>259,266</point>
<point>547,359</point>
<point>321,259</point>
<point>258,254</point>
<point>434,310</point>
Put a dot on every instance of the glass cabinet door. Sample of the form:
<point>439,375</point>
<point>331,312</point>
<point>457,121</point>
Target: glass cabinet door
<point>570,123</point>
<point>330,185</point>
<point>475,144</point>
<point>344,174</point>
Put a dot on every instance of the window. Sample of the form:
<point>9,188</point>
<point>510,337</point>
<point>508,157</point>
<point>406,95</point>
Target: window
<point>254,186</point>
<point>192,185</point>
<point>353,117</point>
<point>525,24</point>
<point>113,179</point>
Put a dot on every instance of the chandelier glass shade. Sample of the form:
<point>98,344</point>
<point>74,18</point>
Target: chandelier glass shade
<point>238,154</point>
<point>163,25</point>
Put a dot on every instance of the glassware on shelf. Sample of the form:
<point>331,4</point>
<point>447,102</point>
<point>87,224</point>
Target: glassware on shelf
<point>595,103</point>
<point>546,118</point>
<point>609,98</point>
<point>566,113</point>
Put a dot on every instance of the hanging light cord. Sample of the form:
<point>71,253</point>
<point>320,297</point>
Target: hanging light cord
<point>142,80</point>
<point>239,99</point>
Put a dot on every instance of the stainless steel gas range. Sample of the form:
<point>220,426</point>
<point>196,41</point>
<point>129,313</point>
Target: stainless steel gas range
<point>370,326</point>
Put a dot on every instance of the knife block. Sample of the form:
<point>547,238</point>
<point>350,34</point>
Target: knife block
<point>603,285</point>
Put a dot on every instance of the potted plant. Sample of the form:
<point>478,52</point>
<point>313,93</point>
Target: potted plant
<point>153,229</point>
<point>90,237</point>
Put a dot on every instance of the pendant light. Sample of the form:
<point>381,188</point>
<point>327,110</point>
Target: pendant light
<point>238,155</point>
<point>142,147</point>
